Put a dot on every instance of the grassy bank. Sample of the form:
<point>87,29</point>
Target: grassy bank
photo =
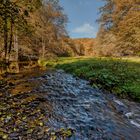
<point>119,76</point>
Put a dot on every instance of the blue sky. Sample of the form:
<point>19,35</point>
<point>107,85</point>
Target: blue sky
<point>82,16</point>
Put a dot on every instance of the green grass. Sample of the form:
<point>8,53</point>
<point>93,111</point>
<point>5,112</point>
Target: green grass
<point>119,76</point>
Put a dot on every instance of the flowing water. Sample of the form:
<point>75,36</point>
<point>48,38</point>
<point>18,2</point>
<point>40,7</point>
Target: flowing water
<point>92,114</point>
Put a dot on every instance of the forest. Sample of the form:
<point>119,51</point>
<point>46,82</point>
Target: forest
<point>30,29</point>
<point>56,87</point>
<point>38,29</point>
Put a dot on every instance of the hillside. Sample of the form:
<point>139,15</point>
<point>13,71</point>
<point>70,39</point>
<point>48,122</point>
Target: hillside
<point>85,46</point>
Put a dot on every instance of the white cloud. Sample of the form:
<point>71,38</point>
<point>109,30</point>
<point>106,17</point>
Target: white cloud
<point>86,29</point>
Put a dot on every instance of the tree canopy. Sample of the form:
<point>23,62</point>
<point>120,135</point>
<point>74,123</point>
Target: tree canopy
<point>33,24</point>
<point>122,20</point>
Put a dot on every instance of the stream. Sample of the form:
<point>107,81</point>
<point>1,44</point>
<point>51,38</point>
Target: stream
<point>91,114</point>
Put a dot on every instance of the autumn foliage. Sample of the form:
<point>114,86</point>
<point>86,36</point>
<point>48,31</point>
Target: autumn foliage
<point>31,29</point>
<point>120,27</point>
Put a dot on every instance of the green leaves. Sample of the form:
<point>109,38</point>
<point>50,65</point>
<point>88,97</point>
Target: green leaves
<point>114,75</point>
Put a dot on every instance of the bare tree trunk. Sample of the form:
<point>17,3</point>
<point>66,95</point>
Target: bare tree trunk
<point>43,48</point>
<point>5,38</point>
<point>11,39</point>
<point>16,46</point>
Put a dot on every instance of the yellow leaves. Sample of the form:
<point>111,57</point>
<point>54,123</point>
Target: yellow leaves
<point>24,118</point>
<point>62,134</point>
<point>3,134</point>
<point>18,122</point>
<point>41,124</point>
<point>53,138</point>
<point>2,119</point>
<point>22,113</point>
<point>66,133</point>
<point>15,129</point>
<point>36,122</point>
<point>29,99</point>
<point>24,87</point>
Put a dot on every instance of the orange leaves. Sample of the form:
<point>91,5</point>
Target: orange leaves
<point>125,25</point>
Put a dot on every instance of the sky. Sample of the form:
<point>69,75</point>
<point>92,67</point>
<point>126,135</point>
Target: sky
<point>82,15</point>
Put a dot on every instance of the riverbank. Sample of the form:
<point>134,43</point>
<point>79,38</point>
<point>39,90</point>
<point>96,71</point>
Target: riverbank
<point>23,112</point>
<point>51,104</point>
<point>118,76</point>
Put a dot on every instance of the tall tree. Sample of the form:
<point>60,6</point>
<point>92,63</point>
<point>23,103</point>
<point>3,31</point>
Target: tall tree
<point>13,15</point>
<point>121,18</point>
<point>38,25</point>
<point>50,24</point>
